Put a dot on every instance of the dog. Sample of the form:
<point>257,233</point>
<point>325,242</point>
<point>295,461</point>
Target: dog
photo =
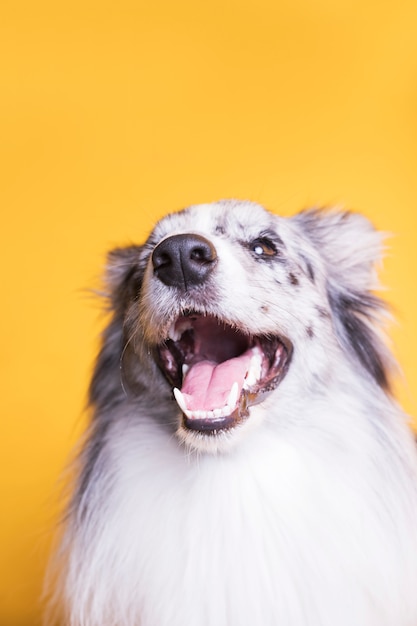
<point>246,464</point>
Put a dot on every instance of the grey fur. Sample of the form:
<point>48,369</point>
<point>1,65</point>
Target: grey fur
<point>311,500</point>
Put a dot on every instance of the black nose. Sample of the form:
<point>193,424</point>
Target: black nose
<point>184,260</point>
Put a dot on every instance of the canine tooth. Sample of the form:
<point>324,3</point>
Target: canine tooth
<point>254,371</point>
<point>256,361</point>
<point>179,397</point>
<point>250,378</point>
<point>233,396</point>
<point>173,333</point>
<point>185,369</point>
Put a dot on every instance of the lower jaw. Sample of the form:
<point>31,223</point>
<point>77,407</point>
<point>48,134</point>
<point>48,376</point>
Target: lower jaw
<point>217,440</point>
<point>212,427</point>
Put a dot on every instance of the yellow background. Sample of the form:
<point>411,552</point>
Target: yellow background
<point>113,113</point>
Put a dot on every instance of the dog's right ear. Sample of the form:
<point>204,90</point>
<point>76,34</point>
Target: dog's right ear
<point>123,276</point>
<point>123,282</point>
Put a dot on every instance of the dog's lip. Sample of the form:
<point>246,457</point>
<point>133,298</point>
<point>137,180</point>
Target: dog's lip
<point>218,372</point>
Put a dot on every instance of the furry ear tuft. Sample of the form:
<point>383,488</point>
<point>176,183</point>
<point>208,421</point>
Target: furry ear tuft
<point>123,280</point>
<point>122,275</point>
<point>351,248</point>
<point>349,244</point>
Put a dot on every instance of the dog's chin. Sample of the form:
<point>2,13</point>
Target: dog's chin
<point>218,373</point>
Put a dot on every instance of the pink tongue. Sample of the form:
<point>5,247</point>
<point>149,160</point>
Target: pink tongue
<point>207,384</point>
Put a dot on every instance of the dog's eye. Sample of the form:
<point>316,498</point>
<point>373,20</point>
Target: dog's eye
<point>263,247</point>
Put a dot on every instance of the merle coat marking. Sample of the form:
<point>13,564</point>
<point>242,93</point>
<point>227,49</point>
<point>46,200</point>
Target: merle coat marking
<point>292,500</point>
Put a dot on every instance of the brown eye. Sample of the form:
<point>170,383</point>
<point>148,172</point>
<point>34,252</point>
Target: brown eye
<point>263,248</point>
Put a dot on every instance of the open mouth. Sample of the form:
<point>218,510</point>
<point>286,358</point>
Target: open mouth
<point>218,372</point>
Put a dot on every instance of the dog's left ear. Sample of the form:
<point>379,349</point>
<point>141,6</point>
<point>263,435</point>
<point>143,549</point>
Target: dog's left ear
<point>349,244</point>
<point>351,248</point>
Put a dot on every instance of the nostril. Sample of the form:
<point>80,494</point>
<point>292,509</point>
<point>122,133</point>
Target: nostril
<point>184,260</point>
<point>160,259</point>
<point>201,254</point>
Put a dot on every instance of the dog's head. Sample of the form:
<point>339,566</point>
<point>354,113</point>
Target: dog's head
<point>226,304</point>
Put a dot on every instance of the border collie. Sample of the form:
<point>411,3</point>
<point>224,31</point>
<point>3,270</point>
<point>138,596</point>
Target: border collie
<point>246,464</point>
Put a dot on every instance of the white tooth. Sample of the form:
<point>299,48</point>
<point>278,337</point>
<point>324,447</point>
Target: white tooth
<point>256,363</point>
<point>201,414</point>
<point>250,379</point>
<point>185,369</point>
<point>181,401</point>
<point>254,372</point>
<point>173,334</point>
<point>233,396</point>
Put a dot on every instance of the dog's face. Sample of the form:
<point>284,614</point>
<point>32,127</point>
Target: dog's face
<point>230,304</point>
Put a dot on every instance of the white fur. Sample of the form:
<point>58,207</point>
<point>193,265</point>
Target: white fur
<point>304,516</point>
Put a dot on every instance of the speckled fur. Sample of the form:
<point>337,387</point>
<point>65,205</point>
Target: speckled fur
<point>304,516</point>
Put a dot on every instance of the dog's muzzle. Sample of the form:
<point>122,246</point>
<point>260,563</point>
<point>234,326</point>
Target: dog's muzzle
<point>217,371</point>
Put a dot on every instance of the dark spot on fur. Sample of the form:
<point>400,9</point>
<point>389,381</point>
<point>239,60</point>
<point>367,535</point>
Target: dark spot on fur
<point>353,312</point>
<point>293,279</point>
<point>310,332</point>
<point>309,268</point>
<point>264,308</point>
<point>278,282</point>
<point>220,230</point>
<point>323,313</point>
